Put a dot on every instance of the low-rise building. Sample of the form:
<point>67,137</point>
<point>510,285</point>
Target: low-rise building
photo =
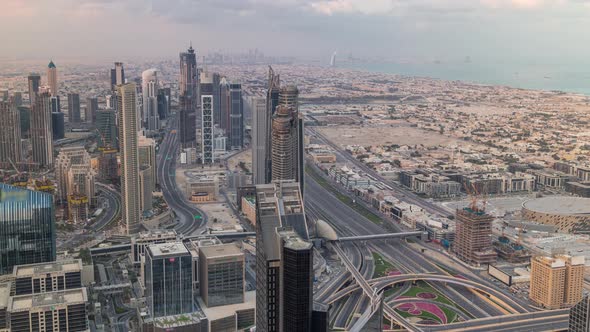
<point>47,277</point>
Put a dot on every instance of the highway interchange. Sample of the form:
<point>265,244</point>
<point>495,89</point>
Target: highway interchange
<point>322,204</point>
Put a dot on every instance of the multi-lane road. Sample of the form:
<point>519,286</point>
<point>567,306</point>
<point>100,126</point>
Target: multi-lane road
<point>190,218</point>
<point>403,194</point>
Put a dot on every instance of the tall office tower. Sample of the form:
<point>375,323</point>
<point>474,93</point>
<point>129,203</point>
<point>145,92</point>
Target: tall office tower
<point>221,269</point>
<point>139,104</point>
<point>556,282</point>
<point>27,227</point>
<point>224,105</point>
<point>129,157</point>
<point>74,108</point>
<point>272,101</point>
<point>49,312</point>
<point>168,279</point>
<point>147,156</point>
<point>41,130</point>
<point>163,103</point>
<point>259,134</point>
<point>58,125</point>
<point>188,97</point>
<point>207,129</point>
<point>284,142</point>
<point>47,277</point>
<point>236,123</point>
<point>289,96</point>
<point>4,95</point>
<point>279,207</point>
<point>18,98</point>
<point>52,78</point>
<point>150,118</point>
<point>10,138</point>
<point>117,75</point>
<point>91,109</point>
<point>580,316</point>
<point>106,125</point>
<point>216,98</point>
<point>34,84</point>
<point>55,104</point>
<point>473,238</point>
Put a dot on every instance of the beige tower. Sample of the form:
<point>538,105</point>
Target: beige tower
<point>41,130</point>
<point>283,143</point>
<point>52,78</point>
<point>556,282</point>
<point>131,211</point>
<point>10,136</point>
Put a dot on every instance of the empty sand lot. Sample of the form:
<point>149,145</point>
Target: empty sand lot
<point>384,135</point>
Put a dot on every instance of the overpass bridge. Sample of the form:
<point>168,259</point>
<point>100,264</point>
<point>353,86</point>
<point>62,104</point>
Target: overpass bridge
<point>402,235</point>
<point>519,318</point>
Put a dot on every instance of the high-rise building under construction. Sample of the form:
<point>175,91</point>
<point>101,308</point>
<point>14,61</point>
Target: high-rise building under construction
<point>473,238</point>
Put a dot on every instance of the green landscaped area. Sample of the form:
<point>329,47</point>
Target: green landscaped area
<point>343,198</point>
<point>422,287</point>
<point>382,267</point>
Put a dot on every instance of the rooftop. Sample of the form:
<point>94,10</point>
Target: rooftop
<point>563,205</point>
<point>4,294</point>
<point>25,302</point>
<point>70,265</point>
<point>167,249</point>
<point>219,312</point>
<point>222,250</point>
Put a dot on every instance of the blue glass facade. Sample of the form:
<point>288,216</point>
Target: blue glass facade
<point>168,284</point>
<point>27,227</point>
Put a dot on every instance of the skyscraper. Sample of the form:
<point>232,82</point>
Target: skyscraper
<point>91,109</point>
<point>580,316</point>
<point>131,212</point>
<point>272,101</point>
<point>236,123</point>
<point>74,108</point>
<point>164,102</point>
<point>473,239</point>
<point>58,125</point>
<point>106,125</point>
<point>55,104</point>
<point>10,136</point>
<point>168,279</point>
<point>259,135</point>
<point>27,227</point>
<point>224,105</point>
<point>289,96</point>
<point>150,116</point>
<point>52,78</point>
<point>556,282</point>
<point>188,97</point>
<point>117,75</point>
<point>284,143</point>
<point>41,129</point>
<point>282,256</point>
<point>207,129</point>
<point>34,84</point>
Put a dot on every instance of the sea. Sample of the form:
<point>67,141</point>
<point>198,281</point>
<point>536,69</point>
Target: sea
<point>573,78</point>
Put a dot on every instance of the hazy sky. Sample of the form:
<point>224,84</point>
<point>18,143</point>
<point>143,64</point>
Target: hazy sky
<point>529,29</point>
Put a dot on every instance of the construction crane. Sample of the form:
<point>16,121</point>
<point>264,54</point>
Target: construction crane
<point>475,196</point>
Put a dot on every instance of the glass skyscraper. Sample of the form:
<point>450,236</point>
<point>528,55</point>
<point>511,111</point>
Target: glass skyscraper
<point>27,227</point>
<point>168,279</point>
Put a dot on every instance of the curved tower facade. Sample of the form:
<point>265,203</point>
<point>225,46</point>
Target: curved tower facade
<point>284,141</point>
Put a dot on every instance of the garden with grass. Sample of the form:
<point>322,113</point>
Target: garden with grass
<point>427,312</point>
<point>382,267</point>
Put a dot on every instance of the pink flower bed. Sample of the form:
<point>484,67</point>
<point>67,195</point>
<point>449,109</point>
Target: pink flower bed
<point>417,308</point>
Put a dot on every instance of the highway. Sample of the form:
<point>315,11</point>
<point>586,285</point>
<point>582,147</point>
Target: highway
<point>111,208</point>
<point>403,194</point>
<point>188,215</point>
<point>322,204</point>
